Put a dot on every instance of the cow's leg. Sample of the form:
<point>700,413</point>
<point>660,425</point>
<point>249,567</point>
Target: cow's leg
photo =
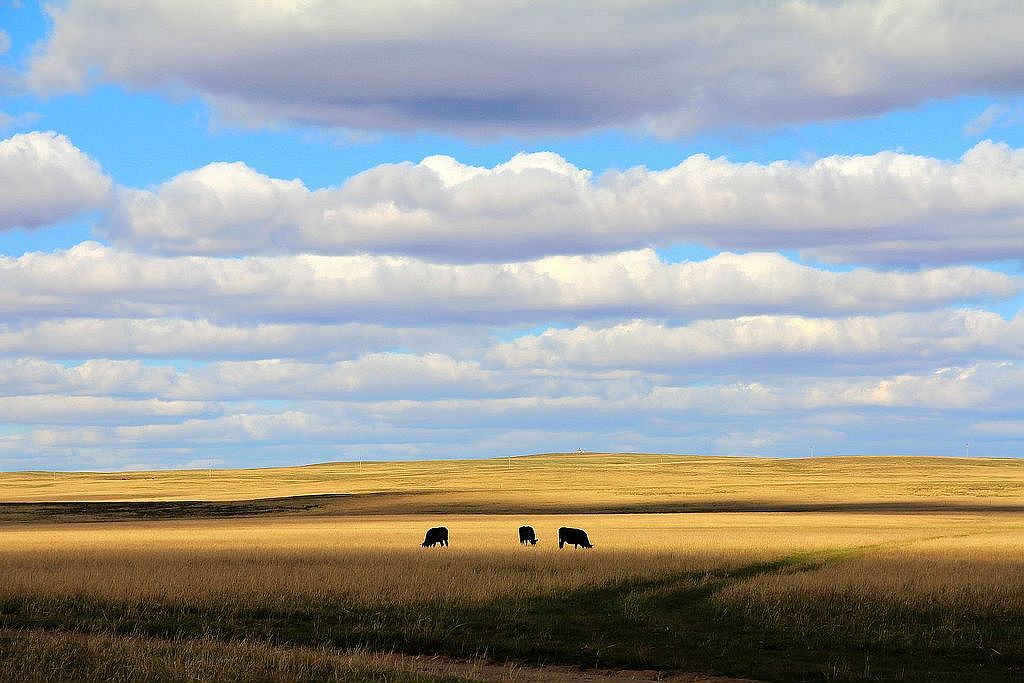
<point>560,543</point>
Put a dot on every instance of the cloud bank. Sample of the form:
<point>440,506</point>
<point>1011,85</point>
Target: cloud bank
<point>738,345</point>
<point>441,309</point>
<point>885,208</point>
<point>526,68</point>
<point>112,283</point>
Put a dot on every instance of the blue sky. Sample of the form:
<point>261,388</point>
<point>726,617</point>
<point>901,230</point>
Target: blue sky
<point>280,234</point>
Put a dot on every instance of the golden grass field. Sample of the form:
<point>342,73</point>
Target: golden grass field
<point>833,568</point>
<point>558,481</point>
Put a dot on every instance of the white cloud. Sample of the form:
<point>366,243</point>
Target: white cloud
<point>377,376</point>
<point>979,387</point>
<point>28,376</point>
<point>390,381</point>
<point>885,207</point>
<point>202,339</point>
<point>218,208</point>
<point>380,375</point>
<point>933,410</point>
<point>398,290</point>
<point>531,68</point>
<point>79,410</point>
<point>788,343</point>
<point>289,427</point>
<point>45,179</point>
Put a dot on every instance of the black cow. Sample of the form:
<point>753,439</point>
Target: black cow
<point>576,537</point>
<point>527,535</point>
<point>437,535</point>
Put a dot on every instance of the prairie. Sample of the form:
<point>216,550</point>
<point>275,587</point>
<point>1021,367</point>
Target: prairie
<point>592,482</point>
<point>833,569</point>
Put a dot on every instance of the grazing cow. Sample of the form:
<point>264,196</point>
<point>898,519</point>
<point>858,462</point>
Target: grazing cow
<point>527,535</point>
<point>576,537</point>
<point>437,535</point>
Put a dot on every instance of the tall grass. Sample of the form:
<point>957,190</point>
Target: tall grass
<point>938,594</point>
<point>959,591</point>
<point>35,655</point>
<point>556,482</point>
<point>287,564</point>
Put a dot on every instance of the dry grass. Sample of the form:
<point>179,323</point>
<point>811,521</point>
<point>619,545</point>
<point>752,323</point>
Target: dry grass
<point>35,655</point>
<point>558,482</point>
<point>286,564</point>
<point>954,581</point>
<point>938,586</point>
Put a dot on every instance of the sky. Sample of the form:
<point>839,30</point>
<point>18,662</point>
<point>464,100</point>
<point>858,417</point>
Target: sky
<point>252,234</point>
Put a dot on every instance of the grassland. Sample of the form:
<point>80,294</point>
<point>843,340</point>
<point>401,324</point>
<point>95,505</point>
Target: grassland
<point>827,569</point>
<point>561,482</point>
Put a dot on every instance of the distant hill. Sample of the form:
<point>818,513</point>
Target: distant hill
<point>592,482</point>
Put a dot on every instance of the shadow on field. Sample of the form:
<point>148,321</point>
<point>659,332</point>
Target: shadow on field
<point>91,511</point>
<point>427,503</point>
<point>670,624</point>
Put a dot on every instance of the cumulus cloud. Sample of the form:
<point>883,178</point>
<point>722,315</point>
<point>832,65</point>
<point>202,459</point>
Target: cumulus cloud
<point>100,376</point>
<point>779,417</point>
<point>213,411</point>
<point>788,342</point>
<point>240,428</point>
<point>44,179</point>
<point>379,375</point>
<point>991,387</point>
<point>79,410</point>
<point>885,207</point>
<point>204,340</point>
<point>529,68</point>
<point>222,207</point>
<point>399,290</point>
<point>386,382</point>
<point>372,376</point>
